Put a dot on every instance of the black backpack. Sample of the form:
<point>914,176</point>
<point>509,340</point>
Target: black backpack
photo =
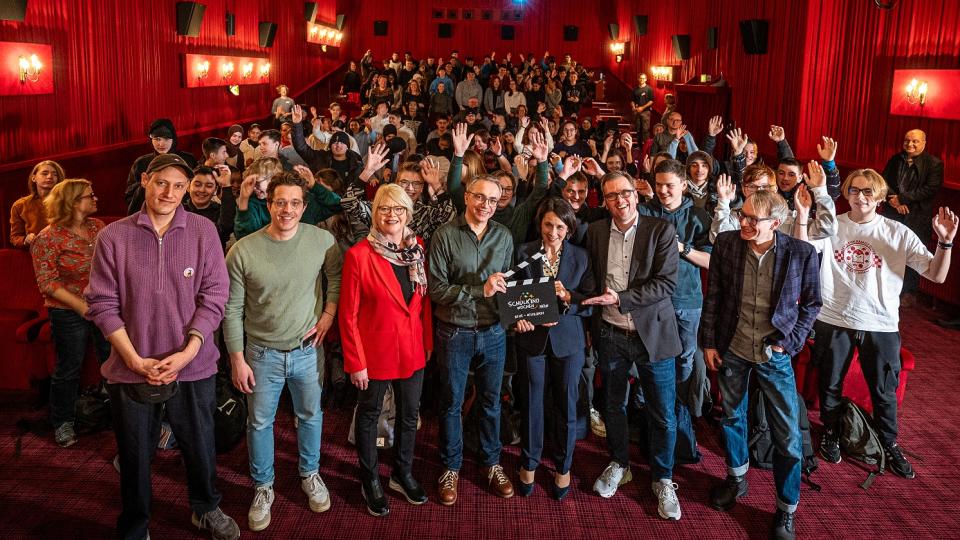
<point>760,442</point>
<point>92,411</point>
<point>860,441</point>
<point>229,416</point>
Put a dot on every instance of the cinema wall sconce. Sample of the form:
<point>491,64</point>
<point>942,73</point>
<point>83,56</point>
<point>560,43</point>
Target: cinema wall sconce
<point>30,68</point>
<point>917,92</point>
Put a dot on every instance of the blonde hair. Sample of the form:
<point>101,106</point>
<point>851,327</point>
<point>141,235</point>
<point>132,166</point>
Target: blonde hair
<point>474,164</point>
<point>58,205</point>
<point>264,168</point>
<point>32,186</point>
<point>771,203</point>
<point>877,183</point>
<point>395,193</point>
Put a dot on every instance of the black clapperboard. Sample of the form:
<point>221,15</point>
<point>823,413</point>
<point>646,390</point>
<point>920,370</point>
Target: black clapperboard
<point>532,299</point>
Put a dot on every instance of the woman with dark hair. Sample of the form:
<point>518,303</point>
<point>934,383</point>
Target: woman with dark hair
<point>27,216</point>
<point>553,353</point>
<point>493,96</point>
<point>62,253</point>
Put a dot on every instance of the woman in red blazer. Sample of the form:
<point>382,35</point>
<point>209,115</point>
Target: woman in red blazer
<point>385,332</point>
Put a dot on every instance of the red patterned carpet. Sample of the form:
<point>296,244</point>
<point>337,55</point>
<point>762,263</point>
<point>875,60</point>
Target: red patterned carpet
<point>47,492</point>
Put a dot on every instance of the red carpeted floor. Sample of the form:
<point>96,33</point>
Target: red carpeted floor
<point>48,492</point>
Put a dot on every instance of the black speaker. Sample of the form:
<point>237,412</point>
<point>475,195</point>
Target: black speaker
<point>640,24</point>
<point>713,36</point>
<point>310,10</point>
<point>571,33</point>
<point>189,17</point>
<point>445,30</point>
<point>13,10</point>
<point>467,14</point>
<point>340,20</point>
<point>754,33</point>
<point>614,31</point>
<point>231,24</point>
<point>507,32</point>
<point>379,28</point>
<point>681,46</point>
<point>268,31</point>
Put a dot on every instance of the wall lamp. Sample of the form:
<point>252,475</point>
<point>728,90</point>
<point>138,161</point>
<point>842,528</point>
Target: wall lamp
<point>246,70</point>
<point>29,68</point>
<point>203,69</point>
<point>618,48</point>
<point>917,92</point>
<point>265,70</point>
<point>323,35</point>
<point>662,73</point>
<point>226,70</point>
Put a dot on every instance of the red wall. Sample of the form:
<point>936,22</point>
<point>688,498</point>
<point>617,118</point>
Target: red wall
<point>412,28</point>
<point>117,66</point>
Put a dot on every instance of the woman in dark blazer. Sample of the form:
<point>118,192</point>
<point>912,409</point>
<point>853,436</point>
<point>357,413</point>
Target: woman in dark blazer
<point>385,331</point>
<point>553,352</point>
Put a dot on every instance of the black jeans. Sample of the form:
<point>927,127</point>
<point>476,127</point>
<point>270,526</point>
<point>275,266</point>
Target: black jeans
<point>71,332</point>
<point>879,355</point>
<point>406,394</point>
<point>137,427</point>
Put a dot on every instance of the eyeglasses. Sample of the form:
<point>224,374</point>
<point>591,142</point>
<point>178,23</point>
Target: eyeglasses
<point>295,204</point>
<point>614,195</point>
<point>756,187</point>
<point>866,192</point>
<point>480,199</point>
<point>395,210</point>
<point>408,183</point>
<point>750,220</point>
<point>90,196</point>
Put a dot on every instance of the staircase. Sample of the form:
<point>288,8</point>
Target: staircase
<point>615,103</point>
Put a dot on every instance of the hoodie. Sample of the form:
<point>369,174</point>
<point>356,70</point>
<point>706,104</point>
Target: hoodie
<point>133,195</point>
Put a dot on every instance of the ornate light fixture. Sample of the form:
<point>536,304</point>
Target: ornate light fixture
<point>29,68</point>
<point>917,92</point>
<point>203,69</point>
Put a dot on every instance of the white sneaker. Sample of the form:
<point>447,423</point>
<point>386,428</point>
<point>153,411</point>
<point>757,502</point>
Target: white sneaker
<point>258,518</point>
<point>596,423</point>
<point>612,477</point>
<point>668,506</point>
<point>317,492</point>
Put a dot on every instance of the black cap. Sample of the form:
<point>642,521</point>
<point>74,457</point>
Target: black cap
<point>389,129</point>
<point>340,137</point>
<point>169,160</point>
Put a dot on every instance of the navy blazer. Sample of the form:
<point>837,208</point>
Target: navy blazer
<point>795,294</point>
<point>567,336</point>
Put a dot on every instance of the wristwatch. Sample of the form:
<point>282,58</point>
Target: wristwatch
<point>686,250</point>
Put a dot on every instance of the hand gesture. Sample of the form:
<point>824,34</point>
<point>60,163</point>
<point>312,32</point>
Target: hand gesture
<point>712,358</point>
<point>592,144</point>
<point>626,142</point>
<point>715,126</point>
<point>608,298</point>
<point>802,202</point>
<point>496,146</point>
<point>776,134</point>
<point>430,174</point>
<point>945,224</point>
<point>726,191</point>
<point>376,159</point>
<point>525,122</point>
<point>297,114</point>
<point>538,146</point>
<point>523,325</point>
<point>520,162</point>
<point>681,132</point>
<point>607,143</point>
<point>544,125</point>
<point>591,167</point>
<point>816,176</point>
<point>313,111</point>
<point>647,164</point>
<point>738,140</point>
<point>246,187</point>
<point>461,140</point>
<point>570,165</point>
<point>306,174</point>
<point>644,189</point>
<point>828,148</point>
<point>494,284</point>
<point>222,175</point>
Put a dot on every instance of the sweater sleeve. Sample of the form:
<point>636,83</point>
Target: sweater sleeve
<point>348,311</point>
<point>233,311</point>
<point>332,269</point>
<point>18,227</point>
<point>103,291</point>
<point>214,285</point>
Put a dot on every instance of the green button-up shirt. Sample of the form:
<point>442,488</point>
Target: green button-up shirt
<point>460,264</point>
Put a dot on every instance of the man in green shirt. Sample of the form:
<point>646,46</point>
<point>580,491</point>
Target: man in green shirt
<point>467,259</point>
<point>277,299</point>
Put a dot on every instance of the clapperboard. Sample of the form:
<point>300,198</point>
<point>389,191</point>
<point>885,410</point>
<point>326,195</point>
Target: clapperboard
<point>532,299</point>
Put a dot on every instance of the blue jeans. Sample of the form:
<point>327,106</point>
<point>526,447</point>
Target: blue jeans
<point>688,322</point>
<point>776,381</point>
<point>659,382</point>
<point>456,348</point>
<point>70,332</point>
<point>272,369</point>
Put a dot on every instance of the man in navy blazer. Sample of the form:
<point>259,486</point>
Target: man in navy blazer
<point>634,261</point>
<point>762,300</point>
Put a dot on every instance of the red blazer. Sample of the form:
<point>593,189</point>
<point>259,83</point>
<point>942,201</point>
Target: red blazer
<point>378,330</point>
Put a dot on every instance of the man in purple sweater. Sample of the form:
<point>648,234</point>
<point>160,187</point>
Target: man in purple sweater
<point>158,285</point>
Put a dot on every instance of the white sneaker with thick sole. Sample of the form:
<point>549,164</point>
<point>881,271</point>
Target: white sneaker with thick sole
<point>612,477</point>
<point>317,492</point>
<point>258,517</point>
<point>668,506</point>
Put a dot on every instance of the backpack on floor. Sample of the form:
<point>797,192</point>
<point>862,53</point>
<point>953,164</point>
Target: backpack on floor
<point>229,416</point>
<point>760,442</point>
<point>860,441</point>
<point>92,411</point>
<point>385,422</point>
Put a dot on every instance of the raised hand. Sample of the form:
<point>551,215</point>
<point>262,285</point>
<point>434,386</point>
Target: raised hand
<point>570,165</point>
<point>726,191</point>
<point>816,176</point>
<point>592,144</point>
<point>607,143</point>
<point>297,114</point>
<point>222,175</point>
<point>828,148</point>
<point>643,187</point>
<point>626,142</point>
<point>738,140</point>
<point>496,146</point>
<point>647,164</point>
<point>802,202</point>
<point>681,132</point>
<point>461,140</point>
<point>306,174</point>
<point>776,134</point>
<point>522,165</point>
<point>376,159</point>
<point>945,224</point>
<point>538,146</point>
<point>525,122</point>
<point>591,167</point>
<point>430,174</point>
<point>544,125</point>
<point>313,111</point>
<point>246,187</point>
<point>715,126</point>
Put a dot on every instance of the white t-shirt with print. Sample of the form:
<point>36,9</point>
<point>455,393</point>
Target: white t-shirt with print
<point>861,275</point>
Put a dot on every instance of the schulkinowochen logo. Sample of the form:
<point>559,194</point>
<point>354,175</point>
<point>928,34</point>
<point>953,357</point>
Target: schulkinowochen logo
<point>858,257</point>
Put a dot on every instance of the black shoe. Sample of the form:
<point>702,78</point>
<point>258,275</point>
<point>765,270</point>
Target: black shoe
<point>560,492</point>
<point>372,493</point>
<point>783,526</point>
<point>524,490</point>
<point>830,446</point>
<point>411,490</point>
<point>897,463</point>
<point>724,495</point>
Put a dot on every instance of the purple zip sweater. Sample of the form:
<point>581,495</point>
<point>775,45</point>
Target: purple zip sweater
<point>159,290</point>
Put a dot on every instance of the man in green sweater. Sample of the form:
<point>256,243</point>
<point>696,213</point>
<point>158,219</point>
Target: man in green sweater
<point>276,294</point>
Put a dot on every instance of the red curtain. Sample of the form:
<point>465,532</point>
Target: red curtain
<point>118,65</point>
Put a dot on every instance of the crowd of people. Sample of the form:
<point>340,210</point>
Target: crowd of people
<point>401,226</point>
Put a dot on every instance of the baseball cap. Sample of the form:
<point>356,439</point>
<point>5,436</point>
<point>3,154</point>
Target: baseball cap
<point>169,160</point>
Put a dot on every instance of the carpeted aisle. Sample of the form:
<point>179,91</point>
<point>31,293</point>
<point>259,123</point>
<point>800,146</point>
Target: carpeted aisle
<point>48,492</point>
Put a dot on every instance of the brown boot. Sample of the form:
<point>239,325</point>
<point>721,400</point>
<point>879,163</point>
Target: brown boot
<point>448,487</point>
<point>498,481</point>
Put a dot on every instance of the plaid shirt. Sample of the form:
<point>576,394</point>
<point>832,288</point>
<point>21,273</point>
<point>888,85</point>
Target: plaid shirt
<point>796,292</point>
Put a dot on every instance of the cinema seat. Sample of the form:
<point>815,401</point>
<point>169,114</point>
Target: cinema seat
<point>21,317</point>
